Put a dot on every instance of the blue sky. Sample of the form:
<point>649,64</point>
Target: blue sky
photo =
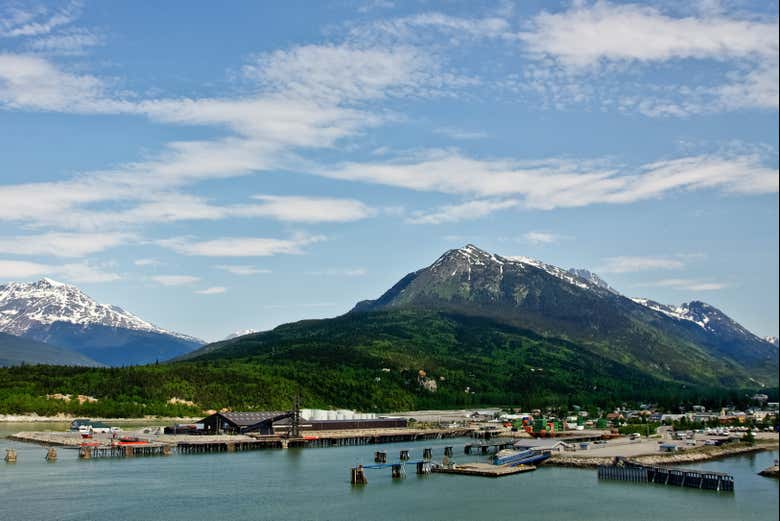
<point>221,167</point>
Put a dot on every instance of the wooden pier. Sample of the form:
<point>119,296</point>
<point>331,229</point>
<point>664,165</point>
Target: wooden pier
<point>638,473</point>
<point>123,451</point>
<point>208,447</point>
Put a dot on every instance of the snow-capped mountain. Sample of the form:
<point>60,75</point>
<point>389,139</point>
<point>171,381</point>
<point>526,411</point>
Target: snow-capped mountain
<point>592,278</point>
<point>694,340</point>
<point>240,332</point>
<point>24,306</point>
<point>61,314</point>
<point>773,340</point>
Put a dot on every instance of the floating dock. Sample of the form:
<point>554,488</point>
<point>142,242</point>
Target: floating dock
<point>483,469</point>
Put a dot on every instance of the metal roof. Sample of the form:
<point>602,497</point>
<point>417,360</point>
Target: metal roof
<point>246,419</point>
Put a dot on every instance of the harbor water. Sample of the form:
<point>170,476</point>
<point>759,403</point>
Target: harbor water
<point>313,484</point>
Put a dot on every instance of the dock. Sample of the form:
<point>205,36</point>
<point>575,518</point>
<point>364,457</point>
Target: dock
<point>639,473</point>
<point>123,451</point>
<point>486,447</point>
<point>483,469</point>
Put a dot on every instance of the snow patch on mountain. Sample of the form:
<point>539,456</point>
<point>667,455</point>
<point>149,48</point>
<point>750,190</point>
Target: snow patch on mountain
<point>27,305</point>
<point>240,332</point>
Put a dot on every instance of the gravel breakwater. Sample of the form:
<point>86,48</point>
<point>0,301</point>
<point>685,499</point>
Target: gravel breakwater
<point>688,456</point>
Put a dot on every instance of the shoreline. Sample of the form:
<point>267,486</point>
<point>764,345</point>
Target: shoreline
<point>689,456</point>
<point>67,418</point>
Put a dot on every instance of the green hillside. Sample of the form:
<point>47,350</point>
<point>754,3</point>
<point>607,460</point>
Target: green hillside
<point>15,350</point>
<point>365,361</point>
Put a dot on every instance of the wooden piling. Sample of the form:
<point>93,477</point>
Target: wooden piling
<point>51,455</point>
<point>10,455</point>
<point>358,476</point>
<point>427,453</point>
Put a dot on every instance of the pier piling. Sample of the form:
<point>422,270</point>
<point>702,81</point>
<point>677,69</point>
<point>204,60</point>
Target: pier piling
<point>51,455</point>
<point>10,455</point>
<point>358,476</point>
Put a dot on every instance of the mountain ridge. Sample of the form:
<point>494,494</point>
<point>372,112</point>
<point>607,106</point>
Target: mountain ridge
<point>62,315</point>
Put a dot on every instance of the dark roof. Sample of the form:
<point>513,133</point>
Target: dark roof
<point>246,419</point>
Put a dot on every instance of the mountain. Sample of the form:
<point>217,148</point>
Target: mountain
<point>62,315</point>
<point>773,340</point>
<point>592,278</point>
<point>16,350</point>
<point>240,332</point>
<point>695,343</point>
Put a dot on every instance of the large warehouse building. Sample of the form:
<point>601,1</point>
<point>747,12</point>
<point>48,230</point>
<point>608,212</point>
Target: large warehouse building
<point>280,422</point>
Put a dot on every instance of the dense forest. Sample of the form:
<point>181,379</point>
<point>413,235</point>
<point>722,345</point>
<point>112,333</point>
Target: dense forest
<point>385,361</point>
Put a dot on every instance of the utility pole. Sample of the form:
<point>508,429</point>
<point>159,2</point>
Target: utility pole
<point>295,424</point>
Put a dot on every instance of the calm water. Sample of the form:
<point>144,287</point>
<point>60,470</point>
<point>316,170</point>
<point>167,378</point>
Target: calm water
<point>314,484</point>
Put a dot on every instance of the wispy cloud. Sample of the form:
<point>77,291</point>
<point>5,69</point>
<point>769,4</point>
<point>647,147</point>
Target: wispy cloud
<point>243,270</point>
<point>175,280</point>
<point>461,212</point>
<point>457,133</point>
<point>73,42</point>
<point>688,284</point>
<point>82,272</point>
<point>214,290</point>
<point>542,237</point>
<point>241,246</point>
<point>555,183</point>
<point>16,21</point>
<point>635,264</point>
<point>63,244</point>
<point>146,262</point>
<point>601,41</point>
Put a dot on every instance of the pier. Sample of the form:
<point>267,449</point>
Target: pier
<point>484,448</point>
<point>638,473</point>
<point>123,451</point>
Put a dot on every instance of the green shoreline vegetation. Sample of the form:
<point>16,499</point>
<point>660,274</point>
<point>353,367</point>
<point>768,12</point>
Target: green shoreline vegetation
<point>371,362</point>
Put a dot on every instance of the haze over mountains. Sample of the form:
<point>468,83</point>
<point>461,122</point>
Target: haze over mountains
<point>62,315</point>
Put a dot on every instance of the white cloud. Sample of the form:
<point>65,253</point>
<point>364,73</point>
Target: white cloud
<point>689,284</point>
<point>635,264</point>
<point>602,41</point>
<point>73,42</point>
<point>175,280</point>
<point>146,262</point>
<point>308,209</point>
<point>541,237</point>
<point>16,21</point>
<point>242,269</point>
<point>62,244</point>
<point>33,83</point>
<point>461,212</point>
<point>553,183</point>
<point>241,246</point>
<point>73,272</point>
<point>214,290</point>
<point>456,133</point>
